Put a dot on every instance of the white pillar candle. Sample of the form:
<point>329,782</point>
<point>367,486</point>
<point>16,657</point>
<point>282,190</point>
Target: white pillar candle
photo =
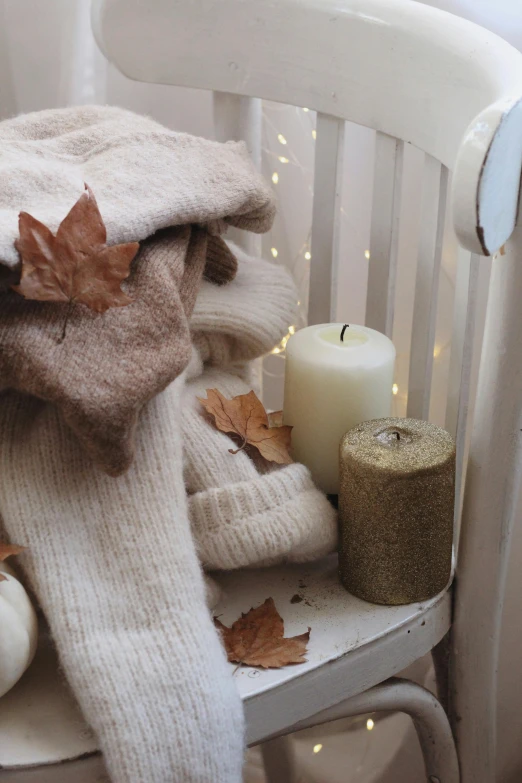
<point>330,386</point>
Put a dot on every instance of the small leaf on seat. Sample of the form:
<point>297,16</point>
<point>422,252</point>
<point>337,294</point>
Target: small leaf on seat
<point>257,639</point>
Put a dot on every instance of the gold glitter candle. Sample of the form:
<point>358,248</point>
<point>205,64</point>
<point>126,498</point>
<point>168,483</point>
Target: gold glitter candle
<point>396,501</point>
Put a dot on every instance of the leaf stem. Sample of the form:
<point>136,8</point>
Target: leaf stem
<point>243,446</point>
<point>66,320</point>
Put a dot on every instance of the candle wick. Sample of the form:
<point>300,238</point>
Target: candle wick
<point>343,330</point>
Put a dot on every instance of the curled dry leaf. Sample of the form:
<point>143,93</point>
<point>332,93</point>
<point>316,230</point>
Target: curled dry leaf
<point>257,639</point>
<point>76,265</point>
<point>245,417</point>
<point>8,550</point>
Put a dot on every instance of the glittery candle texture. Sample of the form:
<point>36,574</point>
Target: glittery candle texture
<point>396,503</point>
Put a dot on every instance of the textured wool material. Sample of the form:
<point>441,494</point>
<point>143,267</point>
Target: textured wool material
<point>246,318</point>
<point>244,510</point>
<point>144,176</point>
<point>114,566</point>
<point>109,365</point>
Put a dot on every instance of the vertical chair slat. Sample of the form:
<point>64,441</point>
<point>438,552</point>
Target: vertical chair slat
<point>384,235</point>
<point>326,218</point>
<point>239,118</point>
<point>464,317</point>
<point>433,214</point>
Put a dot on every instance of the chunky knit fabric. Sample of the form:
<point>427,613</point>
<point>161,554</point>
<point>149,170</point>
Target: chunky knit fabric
<point>109,365</point>
<point>246,318</point>
<point>144,176</point>
<point>114,566</point>
<point>114,562</point>
<point>245,512</point>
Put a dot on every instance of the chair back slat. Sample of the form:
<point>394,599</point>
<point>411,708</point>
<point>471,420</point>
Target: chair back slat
<point>461,358</point>
<point>433,215</point>
<point>384,233</point>
<point>239,118</point>
<point>329,148</point>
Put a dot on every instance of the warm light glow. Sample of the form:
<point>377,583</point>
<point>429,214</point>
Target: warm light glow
<point>436,351</point>
<point>281,139</point>
<point>291,329</point>
<point>281,159</point>
<point>274,251</point>
<point>314,134</point>
<point>367,255</point>
<point>308,255</point>
<point>277,349</point>
<point>370,724</point>
<point>275,177</point>
<point>395,388</point>
<point>306,109</point>
<point>317,748</point>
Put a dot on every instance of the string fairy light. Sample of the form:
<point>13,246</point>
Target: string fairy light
<point>370,724</point>
<point>282,345</point>
<point>305,109</point>
<point>274,251</point>
<point>317,747</point>
<point>308,255</point>
<point>282,159</point>
<point>395,388</point>
<point>367,255</point>
<point>281,139</point>
<point>314,134</point>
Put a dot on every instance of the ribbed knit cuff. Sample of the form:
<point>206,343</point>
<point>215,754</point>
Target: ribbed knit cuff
<point>275,517</point>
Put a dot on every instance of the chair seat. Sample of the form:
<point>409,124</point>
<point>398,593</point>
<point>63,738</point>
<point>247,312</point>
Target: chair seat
<point>353,645</point>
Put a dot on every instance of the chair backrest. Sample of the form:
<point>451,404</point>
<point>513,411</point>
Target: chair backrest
<point>417,76</point>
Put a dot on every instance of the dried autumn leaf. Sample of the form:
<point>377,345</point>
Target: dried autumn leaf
<point>8,550</point>
<point>257,639</point>
<point>245,417</point>
<point>76,265</point>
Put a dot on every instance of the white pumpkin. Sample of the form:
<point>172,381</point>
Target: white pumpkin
<point>18,630</point>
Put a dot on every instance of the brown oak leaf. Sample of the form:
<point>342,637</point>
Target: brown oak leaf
<point>245,417</point>
<point>76,265</point>
<point>257,639</point>
<point>8,550</point>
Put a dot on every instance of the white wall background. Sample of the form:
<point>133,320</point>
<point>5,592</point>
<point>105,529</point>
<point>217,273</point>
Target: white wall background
<point>48,58</point>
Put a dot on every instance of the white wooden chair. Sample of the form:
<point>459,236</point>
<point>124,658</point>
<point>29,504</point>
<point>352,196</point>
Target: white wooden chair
<point>422,77</point>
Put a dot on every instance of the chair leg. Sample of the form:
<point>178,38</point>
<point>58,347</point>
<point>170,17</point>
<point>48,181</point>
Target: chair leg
<point>440,657</point>
<point>279,760</point>
<point>430,721</point>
